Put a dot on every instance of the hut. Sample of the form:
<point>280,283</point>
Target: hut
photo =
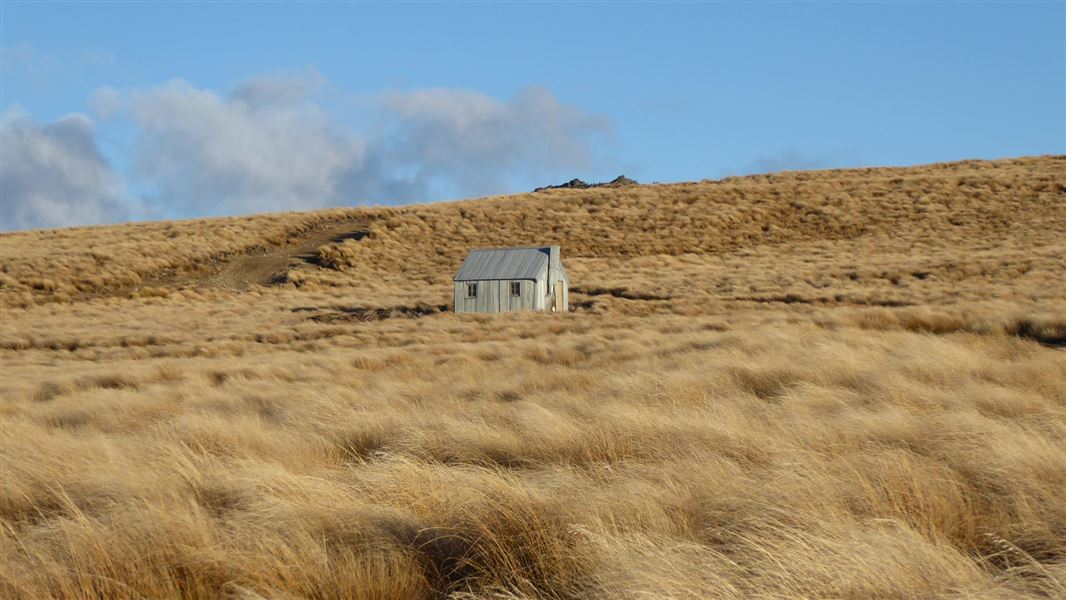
<point>505,279</point>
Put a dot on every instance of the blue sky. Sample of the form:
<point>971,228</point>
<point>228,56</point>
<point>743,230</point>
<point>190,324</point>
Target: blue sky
<point>117,111</point>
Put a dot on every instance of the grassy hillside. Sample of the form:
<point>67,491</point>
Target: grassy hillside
<point>823,384</point>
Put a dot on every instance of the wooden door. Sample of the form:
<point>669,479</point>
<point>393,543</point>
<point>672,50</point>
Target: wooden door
<point>558,298</point>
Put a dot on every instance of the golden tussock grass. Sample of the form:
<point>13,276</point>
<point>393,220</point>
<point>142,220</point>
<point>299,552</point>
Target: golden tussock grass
<point>845,384</point>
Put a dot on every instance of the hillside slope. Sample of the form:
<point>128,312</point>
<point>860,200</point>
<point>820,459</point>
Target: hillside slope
<point>846,384</point>
<point>968,206</point>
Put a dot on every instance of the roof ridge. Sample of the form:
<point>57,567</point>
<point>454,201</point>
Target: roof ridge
<point>522,262</point>
<point>512,248</point>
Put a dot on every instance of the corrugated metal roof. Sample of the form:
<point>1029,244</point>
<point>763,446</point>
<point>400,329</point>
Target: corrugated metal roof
<point>503,263</point>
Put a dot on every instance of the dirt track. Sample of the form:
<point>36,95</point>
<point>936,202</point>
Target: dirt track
<point>268,266</point>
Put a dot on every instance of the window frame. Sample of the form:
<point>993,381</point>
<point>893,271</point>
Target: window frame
<point>471,290</point>
<point>516,285</point>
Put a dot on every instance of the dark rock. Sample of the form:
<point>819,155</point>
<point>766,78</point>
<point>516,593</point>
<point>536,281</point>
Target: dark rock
<point>621,181</point>
<point>577,184</point>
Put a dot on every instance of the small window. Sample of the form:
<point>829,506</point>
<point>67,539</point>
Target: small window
<point>516,288</point>
<point>471,290</point>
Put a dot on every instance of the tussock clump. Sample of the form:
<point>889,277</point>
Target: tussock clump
<point>1049,331</point>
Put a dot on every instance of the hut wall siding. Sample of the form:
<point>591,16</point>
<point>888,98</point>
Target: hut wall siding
<point>495,296</point>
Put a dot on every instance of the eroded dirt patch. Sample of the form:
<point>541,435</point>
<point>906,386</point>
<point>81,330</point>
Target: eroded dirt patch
<point>617,292</point>
<point>839,299</point>
<point>260,265</point>
<point>348,314</point>
<point>268,266</point>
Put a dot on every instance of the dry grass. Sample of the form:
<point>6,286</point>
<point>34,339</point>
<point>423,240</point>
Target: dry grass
<point>844,384</point>
<point>68,264</point>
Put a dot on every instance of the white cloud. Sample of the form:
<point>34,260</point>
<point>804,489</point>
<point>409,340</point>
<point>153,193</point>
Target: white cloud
<point>478,142</point>
<point>106,102</point>
<point>269,145</point>
<point>54,175</point>
<point>261,149</point>
<point>279,91</point>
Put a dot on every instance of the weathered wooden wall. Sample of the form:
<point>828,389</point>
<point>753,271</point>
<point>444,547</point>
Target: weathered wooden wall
<point>495,296</point>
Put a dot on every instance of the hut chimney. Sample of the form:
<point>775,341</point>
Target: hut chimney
<point>553,266</point>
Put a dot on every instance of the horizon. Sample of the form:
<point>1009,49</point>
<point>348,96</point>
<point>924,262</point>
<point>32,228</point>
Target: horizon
<point>592,185</point>
<point>116,113</point>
